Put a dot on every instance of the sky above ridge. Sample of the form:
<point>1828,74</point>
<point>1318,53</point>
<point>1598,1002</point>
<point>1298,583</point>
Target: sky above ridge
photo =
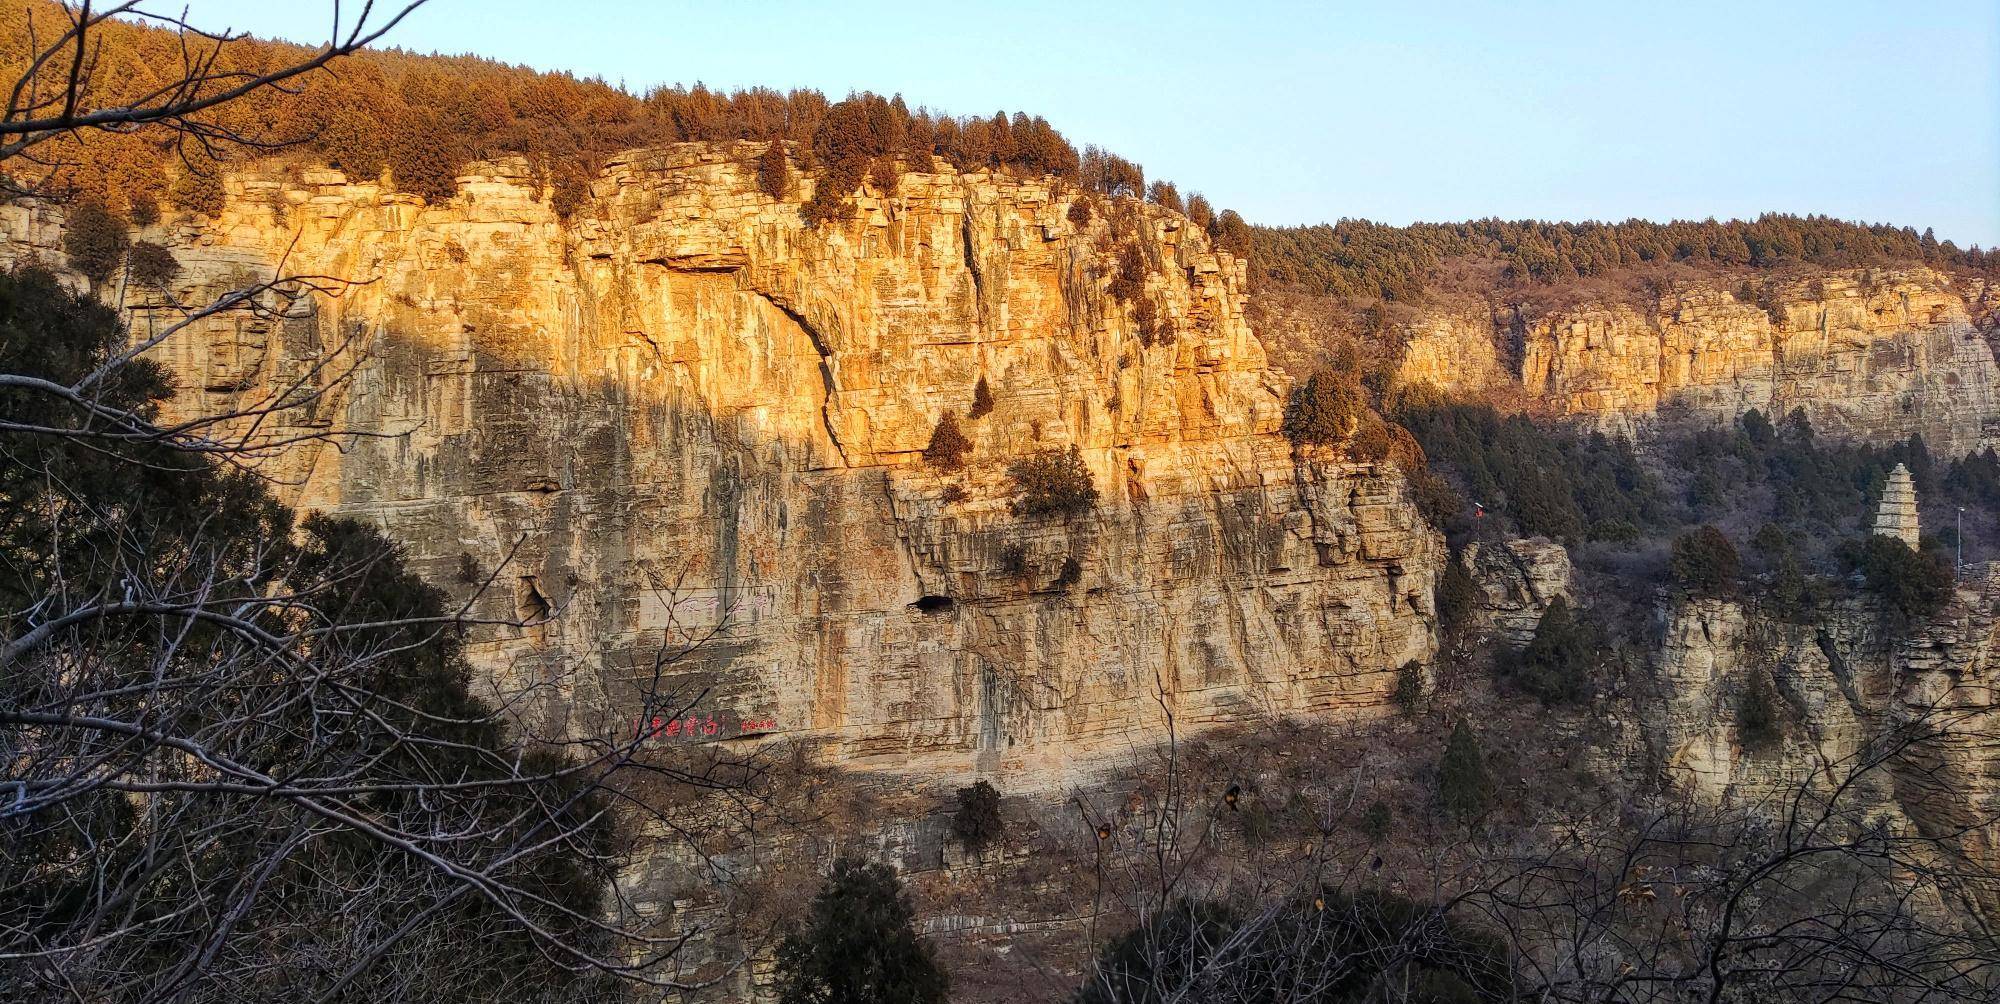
<point>1392,111</point>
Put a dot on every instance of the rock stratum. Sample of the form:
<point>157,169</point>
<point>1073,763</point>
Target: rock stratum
<point>681,432</point>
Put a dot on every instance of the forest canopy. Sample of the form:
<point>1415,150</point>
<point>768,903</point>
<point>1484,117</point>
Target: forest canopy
<point>1367,260</point>
<point>423,117</point>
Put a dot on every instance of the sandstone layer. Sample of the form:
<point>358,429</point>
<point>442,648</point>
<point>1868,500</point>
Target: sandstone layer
<point>684,423</point>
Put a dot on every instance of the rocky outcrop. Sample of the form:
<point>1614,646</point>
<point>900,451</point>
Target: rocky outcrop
<point>1845,687</point>
<point>682,422</point>
<point>1451,351</point>
<point>1874,354</point>
<point>1517,579</point>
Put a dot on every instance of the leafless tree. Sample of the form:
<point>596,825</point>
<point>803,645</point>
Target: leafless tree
<point>239,756</point>
<point>1867,877</point>
<point>61,91</point>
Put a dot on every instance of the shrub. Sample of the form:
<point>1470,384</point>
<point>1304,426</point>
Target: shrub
<point>1053,482</point>
<point>1409,694</point>
<point>1146,317</point>
<point>1326,408</point>
<point>948,445</point>
<point>1757,714</point>
<point>1070,574</point>
<point>774,173</point>
<point>151,266</point>
<point>145,209</point>
<point>1324,944</point>
<point>1130,279</point>
<point>886,173</point>
<point>1555,666</point>
<point>198,189</point>
<point>1079,212</point>
<point>828,204</point>
<point>1457,596</point>
<point>858,944</point>
<point>94,241</point>
<point>1912,585</point>
<point>1434,497</point>
<point>1705,563</point>
<point>1014,560</point>
<point>569,190</point>
<point>1371,442</point>
<point>977,822</point>
<point>1375,822</point>
<point>1464,786</point>
<point>982,400</point>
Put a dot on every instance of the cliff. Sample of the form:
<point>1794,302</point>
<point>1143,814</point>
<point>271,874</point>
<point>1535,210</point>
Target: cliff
<point>1875,354</point>
<point>682,422</point>
<point>1845,690</point>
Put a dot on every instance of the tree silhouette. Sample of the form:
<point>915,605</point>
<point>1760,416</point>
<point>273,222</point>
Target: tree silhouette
<point>857,945</point>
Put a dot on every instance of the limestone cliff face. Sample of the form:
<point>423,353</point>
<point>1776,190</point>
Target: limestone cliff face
<point>1517,580</point>
<point>1870,354</point>
<point>1841,682</point>
<point>684,419</point>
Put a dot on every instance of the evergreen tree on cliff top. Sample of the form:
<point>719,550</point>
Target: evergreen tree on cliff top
<point>857,945</point>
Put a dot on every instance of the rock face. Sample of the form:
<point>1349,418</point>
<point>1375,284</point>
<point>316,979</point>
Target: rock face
<point>682,422</point>
<point>1517,580</point>
<point>1841,682</point>
<point>1870,354</point>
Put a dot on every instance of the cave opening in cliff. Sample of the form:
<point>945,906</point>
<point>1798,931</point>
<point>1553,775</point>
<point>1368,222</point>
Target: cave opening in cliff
<point>934,604</point>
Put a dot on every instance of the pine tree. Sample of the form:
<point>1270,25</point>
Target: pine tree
<point>1555,667</point>
<point>982,400</point>
<point>1705,563</point>
<point>94,241</point>
<point>1464,786</point>
<point>948,445</point>
<point>858,945</point>
<point>774,173</point>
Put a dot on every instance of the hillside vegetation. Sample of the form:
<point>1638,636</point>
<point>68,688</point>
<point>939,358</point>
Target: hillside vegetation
<point>422,118</point>
<point>1361,259</point>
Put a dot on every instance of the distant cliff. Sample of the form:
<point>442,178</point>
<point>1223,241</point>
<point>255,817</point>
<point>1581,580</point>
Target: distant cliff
<point>1874,354</point>
<point>682,416</point>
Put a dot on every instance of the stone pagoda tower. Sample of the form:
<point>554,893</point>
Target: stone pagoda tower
<point>1898,516</point>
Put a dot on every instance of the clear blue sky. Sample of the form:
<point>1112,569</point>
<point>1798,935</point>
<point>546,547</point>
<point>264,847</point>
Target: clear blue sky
<point>1395,111</point>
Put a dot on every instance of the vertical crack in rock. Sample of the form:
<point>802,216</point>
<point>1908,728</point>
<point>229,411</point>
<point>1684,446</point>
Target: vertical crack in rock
<point>825,370</point>
<point>965,242</point>
<point>903,542</point>
<point>1843,677</point>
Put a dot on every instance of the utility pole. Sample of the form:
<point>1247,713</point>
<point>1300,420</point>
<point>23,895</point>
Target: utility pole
<point>1958,568</point>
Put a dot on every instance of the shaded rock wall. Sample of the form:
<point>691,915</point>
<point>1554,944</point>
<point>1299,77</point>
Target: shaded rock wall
<point>1517,580</point>
<point>1843,681</point>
